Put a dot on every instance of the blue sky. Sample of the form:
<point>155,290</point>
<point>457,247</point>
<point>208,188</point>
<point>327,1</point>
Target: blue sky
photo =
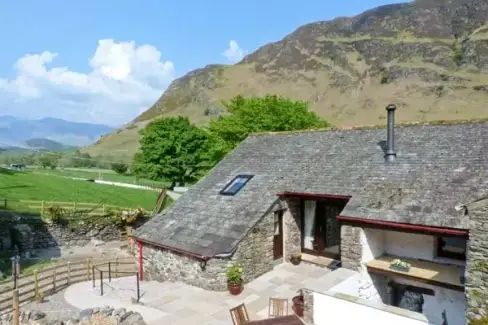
<point>106,61</point>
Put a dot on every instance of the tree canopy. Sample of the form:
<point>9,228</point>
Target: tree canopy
<point>174,150</point>
<point>263,114</point>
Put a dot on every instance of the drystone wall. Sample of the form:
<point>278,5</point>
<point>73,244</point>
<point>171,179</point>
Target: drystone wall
<point>101,316</point>
<point>26,234</point>
<point>254,253</point>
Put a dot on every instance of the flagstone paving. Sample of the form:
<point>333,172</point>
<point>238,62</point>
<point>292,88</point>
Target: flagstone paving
<point>172,303</point>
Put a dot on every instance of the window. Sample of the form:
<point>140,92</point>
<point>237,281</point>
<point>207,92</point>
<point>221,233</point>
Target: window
<point>236,184</point>
<point>451,247</point>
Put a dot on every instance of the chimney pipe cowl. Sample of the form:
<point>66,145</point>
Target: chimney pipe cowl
<point>390,152</point>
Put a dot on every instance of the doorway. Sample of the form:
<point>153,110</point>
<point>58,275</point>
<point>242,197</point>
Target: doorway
<point>321,231</point>
<point>278,235</point>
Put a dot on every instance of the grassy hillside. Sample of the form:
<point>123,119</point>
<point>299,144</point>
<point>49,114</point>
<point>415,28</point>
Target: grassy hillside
<point>35,186</point>
<point>429,57</point>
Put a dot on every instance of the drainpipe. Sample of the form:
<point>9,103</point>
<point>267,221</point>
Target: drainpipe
<point>390,152</point>
<point>141,268</point>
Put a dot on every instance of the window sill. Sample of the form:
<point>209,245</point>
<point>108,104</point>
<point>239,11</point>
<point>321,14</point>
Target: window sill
<point>442,275</point>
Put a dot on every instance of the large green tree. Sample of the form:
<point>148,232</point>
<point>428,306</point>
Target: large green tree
<point>260,114</point>
<point>174,150</point>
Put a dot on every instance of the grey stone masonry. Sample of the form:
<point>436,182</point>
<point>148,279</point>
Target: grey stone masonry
<point>292,227</point>
<point>477,265</point>
<point>308,306</point>
<point>351,251</point>
<point>254,253</point>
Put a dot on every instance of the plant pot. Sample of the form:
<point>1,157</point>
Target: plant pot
<point>235,289</point>
<point>298,305</point>
<point>400,268</point>
<point>295,260</point>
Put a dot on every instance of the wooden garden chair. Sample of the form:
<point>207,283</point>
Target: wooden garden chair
<point>239,315</point>
<point>278,307</point>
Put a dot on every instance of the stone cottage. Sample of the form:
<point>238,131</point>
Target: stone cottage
<point>361,196</point>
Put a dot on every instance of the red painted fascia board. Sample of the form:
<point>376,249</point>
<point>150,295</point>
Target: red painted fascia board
<point>177,250</point>
<point>411,227</point>
<point>316,196</point>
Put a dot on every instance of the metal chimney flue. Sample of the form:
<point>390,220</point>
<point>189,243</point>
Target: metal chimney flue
<point>390,151</point>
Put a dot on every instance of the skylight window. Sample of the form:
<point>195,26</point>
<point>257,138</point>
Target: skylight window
<point>236,184</point>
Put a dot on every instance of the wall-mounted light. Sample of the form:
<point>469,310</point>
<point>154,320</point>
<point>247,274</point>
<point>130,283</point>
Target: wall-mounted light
<point>203,265</point>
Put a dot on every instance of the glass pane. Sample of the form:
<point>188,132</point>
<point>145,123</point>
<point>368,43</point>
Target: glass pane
<point>454,245</point>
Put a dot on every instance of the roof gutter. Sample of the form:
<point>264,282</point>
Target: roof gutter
<point>314,196</point>
<point>410,227</point>
<point>174,249</point>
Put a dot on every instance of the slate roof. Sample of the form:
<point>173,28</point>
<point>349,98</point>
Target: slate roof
<point>437,167</point>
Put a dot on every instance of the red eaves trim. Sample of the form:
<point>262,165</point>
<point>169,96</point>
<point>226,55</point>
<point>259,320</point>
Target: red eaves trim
<point>435,230</point>
<point>316,196</point>
<point>177,250</point>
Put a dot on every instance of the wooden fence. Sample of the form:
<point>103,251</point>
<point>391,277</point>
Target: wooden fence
<point>51,279</point>
<point>43,206</point>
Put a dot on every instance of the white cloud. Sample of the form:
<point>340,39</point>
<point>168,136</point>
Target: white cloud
<point>123,79</point>
<point>234,53</point>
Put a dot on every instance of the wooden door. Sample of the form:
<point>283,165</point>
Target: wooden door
<point>278,235</point>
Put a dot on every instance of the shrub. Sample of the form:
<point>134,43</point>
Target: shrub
<point>119,168</point>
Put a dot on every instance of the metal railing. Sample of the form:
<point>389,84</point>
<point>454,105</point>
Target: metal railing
<point>109,271</point>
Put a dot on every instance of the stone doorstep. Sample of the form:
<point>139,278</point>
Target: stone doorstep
<point>321,261</point>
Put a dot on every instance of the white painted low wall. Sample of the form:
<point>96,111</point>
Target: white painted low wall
<point>335,308</point>
<point>128,185</point>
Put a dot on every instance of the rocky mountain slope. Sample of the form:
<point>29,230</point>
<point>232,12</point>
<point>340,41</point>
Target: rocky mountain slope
<point>430,57</point>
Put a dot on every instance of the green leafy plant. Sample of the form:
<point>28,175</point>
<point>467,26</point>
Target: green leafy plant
<point>56,214</point>
<point>296,255</point>
<point>399,263</point>
<point>234,274</point>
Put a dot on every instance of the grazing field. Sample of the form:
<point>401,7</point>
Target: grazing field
<point>37,186</point>
<point>103,174</point>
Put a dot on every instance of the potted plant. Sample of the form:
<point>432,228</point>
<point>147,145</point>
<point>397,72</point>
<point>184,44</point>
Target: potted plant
<point>296,258</point>
<point>298,304</point>
<point>399,265</point>
<point>234,279</point>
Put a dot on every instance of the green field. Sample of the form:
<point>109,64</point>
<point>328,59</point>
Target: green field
<point>104,174</point>
<point>17,186</point>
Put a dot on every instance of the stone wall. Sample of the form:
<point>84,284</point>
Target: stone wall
<point>308,306</point>
<point>351,250</point>
<point>292,234</point>
<point>477,265</point>
<point>30,235</point>
<point>102,316</point>
<point>255,253</point>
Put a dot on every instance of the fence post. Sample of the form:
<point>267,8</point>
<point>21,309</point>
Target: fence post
<point>116,266</point>
<point>101,283</point>
<point>103,208</point>
<point>88,269</point>
<point>36,284</point>
<point>74,205</point>
<point>69,272</point>
<point>54,279</point>
<point>137,279</point>
<point>93,275</point>
<point>15,307</point>
<point>109,272</point>
<point>42,207</point>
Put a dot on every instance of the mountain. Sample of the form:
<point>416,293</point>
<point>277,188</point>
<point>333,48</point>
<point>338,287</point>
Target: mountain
<point>16,131</point>
<point>49,145</point>
<point>430,57</point>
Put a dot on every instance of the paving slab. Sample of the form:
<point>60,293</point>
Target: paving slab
<point>173,303</point>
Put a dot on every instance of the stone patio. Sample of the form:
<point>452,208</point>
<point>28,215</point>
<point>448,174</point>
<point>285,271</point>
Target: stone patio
<point>177,303</point>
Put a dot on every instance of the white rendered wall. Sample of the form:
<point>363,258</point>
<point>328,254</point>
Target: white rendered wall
<point>328,309</point>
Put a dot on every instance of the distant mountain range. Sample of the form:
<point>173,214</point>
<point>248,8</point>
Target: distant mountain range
<point>49,133</point>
